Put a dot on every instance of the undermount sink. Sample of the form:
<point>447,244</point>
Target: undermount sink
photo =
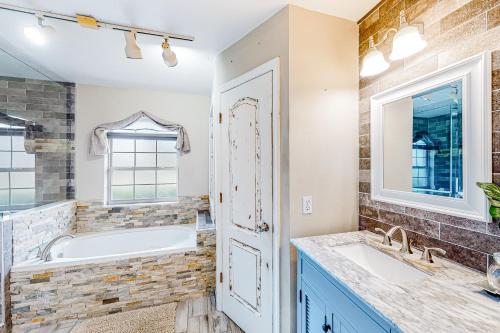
<point>379,263</point>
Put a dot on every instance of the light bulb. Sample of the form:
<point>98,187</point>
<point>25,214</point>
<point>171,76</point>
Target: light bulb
<point>35,35</point>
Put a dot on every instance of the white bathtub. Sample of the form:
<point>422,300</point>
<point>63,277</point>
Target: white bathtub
<point>116,245</point>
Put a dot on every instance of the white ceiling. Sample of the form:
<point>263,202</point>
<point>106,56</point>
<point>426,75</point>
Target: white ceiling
<point>96,57</point>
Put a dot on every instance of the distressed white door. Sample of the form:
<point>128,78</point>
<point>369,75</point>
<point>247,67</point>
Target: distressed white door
<point>247,203</point>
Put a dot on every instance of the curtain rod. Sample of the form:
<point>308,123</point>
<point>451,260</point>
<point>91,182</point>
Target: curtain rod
<point>100,24</point>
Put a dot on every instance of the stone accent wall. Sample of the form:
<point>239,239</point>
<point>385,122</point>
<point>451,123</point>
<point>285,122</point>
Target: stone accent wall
<point>92,217</point>
<point>46,297</point>
<point>51,106</point>
<point>455,30</point>
<point>35,227</point>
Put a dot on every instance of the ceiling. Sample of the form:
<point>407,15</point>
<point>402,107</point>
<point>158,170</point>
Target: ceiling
<point>96,56</point>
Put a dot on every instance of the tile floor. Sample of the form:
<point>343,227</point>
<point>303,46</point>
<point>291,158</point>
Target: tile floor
<point>196,315</point>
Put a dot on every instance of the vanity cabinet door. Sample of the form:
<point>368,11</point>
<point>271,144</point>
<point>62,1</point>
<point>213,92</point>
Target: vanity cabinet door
<point>340,325</point>
<point>315,319</point>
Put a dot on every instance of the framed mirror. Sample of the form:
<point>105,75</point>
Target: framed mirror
<point>431,140</point>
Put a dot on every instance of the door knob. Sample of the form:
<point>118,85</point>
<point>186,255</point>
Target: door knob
<point>264,227</point>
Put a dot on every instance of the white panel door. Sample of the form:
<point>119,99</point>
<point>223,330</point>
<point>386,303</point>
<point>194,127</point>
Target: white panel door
<point>247,204</point>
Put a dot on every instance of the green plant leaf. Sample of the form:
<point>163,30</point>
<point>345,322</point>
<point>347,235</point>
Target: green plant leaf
<point>492,191</point>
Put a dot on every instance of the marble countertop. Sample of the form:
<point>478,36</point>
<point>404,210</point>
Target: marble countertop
<point>448,300</point>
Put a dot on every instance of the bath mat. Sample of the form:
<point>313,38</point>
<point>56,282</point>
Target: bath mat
<point>158,319</point>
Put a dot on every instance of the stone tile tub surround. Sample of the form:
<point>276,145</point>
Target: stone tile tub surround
<point>445,301</point>
<point>92,217</point>
<point>454,30</point>
<point>33,228</point>
<point>48,296</point>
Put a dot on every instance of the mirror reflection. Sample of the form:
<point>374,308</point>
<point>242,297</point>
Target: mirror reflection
<point>423,142</point>
<point>36,136</point>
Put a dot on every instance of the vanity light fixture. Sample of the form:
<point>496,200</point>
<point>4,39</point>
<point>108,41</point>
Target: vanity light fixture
<point>169,56</point>
<point>406,42</point>
<point>40,33</point>
<point>374,61</point>
<point>132,50</point>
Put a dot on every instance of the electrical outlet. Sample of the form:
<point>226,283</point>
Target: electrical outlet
<point>307,205</point>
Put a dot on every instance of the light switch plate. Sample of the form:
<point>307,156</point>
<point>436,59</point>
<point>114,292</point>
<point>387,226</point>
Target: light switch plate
<point>307,205</point>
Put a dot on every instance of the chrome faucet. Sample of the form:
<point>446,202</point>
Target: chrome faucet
<point>427,254</point>
<point>45,254</point>
<point>405,244</point>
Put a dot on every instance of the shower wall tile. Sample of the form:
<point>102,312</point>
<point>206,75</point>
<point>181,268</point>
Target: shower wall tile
<point>51,106</point>
<point>454,31</point>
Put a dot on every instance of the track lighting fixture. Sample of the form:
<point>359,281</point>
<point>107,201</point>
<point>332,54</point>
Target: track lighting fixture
<point>407,42</point>
<point>132,50</point>
<point>169,56</point>
<point>40,33</point>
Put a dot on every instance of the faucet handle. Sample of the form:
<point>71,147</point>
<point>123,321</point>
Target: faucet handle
<point>387,239</point>
<point>427,254</point>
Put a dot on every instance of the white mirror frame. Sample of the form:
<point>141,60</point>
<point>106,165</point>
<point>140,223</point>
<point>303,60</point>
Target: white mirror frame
<point>475,73</point>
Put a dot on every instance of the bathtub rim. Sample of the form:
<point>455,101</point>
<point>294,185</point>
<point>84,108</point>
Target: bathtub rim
<point>37,265</point>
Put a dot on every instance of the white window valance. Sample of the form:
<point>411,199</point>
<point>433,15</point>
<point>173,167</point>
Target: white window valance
<point>99,145</point>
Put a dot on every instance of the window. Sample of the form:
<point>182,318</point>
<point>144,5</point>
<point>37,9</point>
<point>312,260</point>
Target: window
<point>420,156</point>
<point>142,167</point>
<point>17,170</point>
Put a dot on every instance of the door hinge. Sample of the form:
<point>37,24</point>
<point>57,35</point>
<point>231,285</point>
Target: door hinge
<point>220,117</point>
<point>300,296</point>
<point>221,278</point>
<point>220,197</point>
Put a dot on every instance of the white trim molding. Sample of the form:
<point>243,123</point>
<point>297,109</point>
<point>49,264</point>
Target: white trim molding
<point>475,73</point>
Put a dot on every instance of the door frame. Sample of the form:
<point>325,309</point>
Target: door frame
<point>270,66</point>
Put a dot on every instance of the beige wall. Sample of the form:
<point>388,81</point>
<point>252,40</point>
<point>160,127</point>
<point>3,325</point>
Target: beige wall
<point>319,124</point>
<point>96,105</point>
<point>398,138</point>
<point>323,125</point>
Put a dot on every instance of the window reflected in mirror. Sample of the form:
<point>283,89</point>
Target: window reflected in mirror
<point>423,142</point>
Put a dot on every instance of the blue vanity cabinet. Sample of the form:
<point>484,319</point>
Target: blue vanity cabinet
<point>325,305</point>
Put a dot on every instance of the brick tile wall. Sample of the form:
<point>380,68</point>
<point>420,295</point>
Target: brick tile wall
<point>455,30</point>
<point>51,105</point>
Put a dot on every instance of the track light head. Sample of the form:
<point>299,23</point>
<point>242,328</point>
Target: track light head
<point>39,34</point>
<point>169,56</point>
<point>132,50</point>
<point>46,29</point>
